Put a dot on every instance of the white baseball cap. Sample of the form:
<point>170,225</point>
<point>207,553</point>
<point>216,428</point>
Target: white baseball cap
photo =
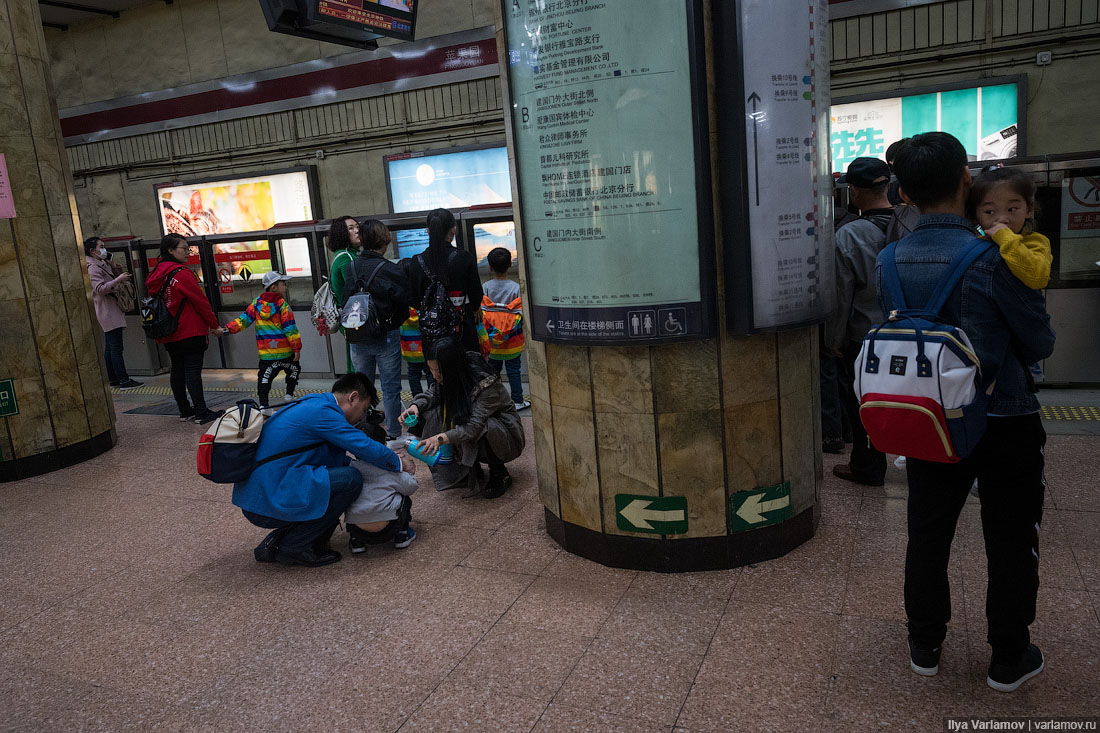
<point>270,278</point>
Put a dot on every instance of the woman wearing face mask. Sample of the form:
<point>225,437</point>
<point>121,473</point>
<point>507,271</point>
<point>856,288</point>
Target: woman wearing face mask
<point>469,408</point>
<point>107,280</point>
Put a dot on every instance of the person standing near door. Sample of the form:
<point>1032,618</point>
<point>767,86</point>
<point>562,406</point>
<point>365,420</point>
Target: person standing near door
<point>186,299</point>
<point>344,243</point>
<point>107,280</point>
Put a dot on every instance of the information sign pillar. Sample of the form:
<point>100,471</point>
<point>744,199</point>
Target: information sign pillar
<point>667,436</point>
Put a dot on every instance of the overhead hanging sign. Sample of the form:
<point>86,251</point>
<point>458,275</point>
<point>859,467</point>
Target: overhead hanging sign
<point>984,118</point>
<point>615,214</point>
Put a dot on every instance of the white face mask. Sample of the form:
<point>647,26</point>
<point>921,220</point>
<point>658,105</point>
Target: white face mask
<point>102,253</point>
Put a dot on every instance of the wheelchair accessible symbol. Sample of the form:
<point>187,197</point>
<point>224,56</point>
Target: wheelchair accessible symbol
<point>672,321</point>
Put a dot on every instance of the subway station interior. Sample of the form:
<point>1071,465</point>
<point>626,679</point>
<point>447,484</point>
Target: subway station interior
<point>681,546</point>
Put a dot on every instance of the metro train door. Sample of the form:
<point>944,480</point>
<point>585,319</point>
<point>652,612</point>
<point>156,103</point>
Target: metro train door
<point>141,353</point>
<point>197,262</point>
<point>483,229</point>
<point>237,263</point>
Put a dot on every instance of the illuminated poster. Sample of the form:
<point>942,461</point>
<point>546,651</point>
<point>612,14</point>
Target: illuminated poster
<point>982,118</point>
<point>450,180</point>
<point>1079,246</point>
<point>786,78</point>
<point>605,157</point>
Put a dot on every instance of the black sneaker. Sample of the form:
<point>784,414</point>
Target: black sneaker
<point>497,485</point>
<point>832,445</point>
<point>924,662</point>
<point>404,539</point>
<point>130,384</point>
<point>1007,677</point>
<point>187,416</point>
<point>266,550</point>
<point>356,544</point>
<point>202,418</point>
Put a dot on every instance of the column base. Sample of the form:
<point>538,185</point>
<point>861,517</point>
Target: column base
<point>70,455</point>
<point>684,555</point>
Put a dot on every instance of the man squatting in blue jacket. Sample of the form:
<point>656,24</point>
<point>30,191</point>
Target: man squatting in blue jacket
<point>301,496</point>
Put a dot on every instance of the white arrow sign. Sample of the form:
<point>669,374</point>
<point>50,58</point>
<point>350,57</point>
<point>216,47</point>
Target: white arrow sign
<point>752,511</point>
<point>550,325</point>
<point>640,515</point>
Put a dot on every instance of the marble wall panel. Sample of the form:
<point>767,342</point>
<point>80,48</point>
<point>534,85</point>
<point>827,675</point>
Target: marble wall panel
<point>569,375</point>
<point>18,357</point>
<point>203,33</point>
<point>66,400</point>
<point>7,44</point>
<point>96,79</point>
<point>141,213</point>
<point>97,400</point>
<point>484,12</point>
<point>51,331</point>
<point>250,46</point>
<point>26,185</point>
<point>13,109</point>
<point>622,380</point>
<point>37,260</point>
<point>64,69</point>
<point>112,216</point>
<point>535,354</point>
<point>578,479</point>
<point>797,354</point>
<point>149,32</point>
<point>753,451</point>
<point>748,369</point>
<point>11,280</point>
<point>71,264</point>
<point>6,453</point>
<point>26,29</point>
<point>31,430</point>
<point>692,466</point>
<point>685,376</point>
<point>56,181</point>
<point>628,460</point>
<point>82,326</point>
<point>36,93</point>
<point>435,19</point>
<point>545,456</point>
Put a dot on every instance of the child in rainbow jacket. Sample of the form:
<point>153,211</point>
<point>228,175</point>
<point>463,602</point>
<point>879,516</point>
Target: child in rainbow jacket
<point>277,338</point>
<point>502,313</point>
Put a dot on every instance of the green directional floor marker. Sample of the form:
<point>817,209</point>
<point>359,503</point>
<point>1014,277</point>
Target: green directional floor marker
<point>760,507</point>
<point>651,514</point>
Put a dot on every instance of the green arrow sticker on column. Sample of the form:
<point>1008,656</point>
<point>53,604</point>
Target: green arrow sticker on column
<point>760,507</point>
<point>651,514</point>
<point>8,404</point>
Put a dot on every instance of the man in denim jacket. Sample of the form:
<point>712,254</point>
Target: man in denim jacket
<point>1008,326</point>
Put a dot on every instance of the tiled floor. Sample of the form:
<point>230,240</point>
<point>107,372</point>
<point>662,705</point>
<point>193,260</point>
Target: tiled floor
<point>130,601</point>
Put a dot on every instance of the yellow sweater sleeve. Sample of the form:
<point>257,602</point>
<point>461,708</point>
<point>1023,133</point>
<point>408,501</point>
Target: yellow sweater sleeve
<point>1027,255</point>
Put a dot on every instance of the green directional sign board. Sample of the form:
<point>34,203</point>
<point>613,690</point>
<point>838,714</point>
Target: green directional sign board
<point>8,405</point>
<point>651,514</point>
<point>760,507</point>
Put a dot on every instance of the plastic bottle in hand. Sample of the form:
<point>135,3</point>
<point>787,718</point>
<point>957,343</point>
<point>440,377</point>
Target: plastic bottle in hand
<point>444,455</point>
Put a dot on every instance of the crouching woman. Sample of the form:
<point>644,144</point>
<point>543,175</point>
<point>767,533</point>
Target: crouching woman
<point>470,409</point>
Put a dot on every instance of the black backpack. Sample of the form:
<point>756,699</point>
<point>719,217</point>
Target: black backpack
<point>361,315</point>
<point>156,320</point>
<point>439,317</point>
<point>902,222</point>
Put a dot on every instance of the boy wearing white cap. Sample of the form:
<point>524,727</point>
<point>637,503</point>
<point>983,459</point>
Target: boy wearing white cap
<point>277,338</point>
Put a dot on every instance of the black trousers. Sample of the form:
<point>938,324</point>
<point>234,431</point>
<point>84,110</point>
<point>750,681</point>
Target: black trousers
<point>866,462</point>
<point>267,372</point>
<point>186,375</point>
<point>1008,463</point>
<point>345,484</point>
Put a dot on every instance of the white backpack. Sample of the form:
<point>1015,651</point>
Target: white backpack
<point>325,313</point>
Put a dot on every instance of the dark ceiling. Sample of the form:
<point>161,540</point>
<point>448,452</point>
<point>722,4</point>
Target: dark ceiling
<point>62,13</point>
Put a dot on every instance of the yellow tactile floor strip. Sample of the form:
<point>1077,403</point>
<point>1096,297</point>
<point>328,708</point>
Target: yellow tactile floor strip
<point>1055,412</point>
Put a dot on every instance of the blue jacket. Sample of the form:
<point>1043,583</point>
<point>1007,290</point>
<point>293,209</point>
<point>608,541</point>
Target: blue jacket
<point>296,488</point>
<point>1006,321</point>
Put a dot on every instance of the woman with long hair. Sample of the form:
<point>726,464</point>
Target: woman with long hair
<point>185,298</point>
<point>470,409</point>
<point>344,243</point>
<point>455,268</point>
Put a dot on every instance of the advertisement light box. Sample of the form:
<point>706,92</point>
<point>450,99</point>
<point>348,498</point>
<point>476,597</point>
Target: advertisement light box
<point>985,118</point>
<point>450,179</point>
<point>248,204</point>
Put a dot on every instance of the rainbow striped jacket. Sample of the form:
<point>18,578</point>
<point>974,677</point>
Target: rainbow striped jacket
<point>277,335</point>
<point>504,324</point>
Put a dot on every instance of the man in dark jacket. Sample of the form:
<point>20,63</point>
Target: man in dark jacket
<point>857,245</point>
<point>390,290</point>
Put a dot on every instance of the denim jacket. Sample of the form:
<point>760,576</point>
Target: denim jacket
<point>1006,321</point>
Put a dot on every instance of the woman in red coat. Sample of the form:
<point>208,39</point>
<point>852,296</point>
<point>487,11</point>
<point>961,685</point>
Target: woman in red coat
<point>185,297</point>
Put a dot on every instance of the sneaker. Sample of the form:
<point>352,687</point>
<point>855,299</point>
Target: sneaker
<point>1006,678</point>
<point>924,662</point>
<point>404,539</point>
<point>202,418</point>
<point>497,485</point>
<point>832,445</point>
<point>356,545</point>
<point>187,416</point>
<point>130,384</point>
<point>395,444</point>
<point>899,462</point>
<point>523,405</point>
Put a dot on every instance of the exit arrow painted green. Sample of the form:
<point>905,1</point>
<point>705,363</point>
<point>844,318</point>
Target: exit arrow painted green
<point>651,514</point>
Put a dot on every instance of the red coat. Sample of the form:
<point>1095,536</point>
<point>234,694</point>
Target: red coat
<point>186,297</point>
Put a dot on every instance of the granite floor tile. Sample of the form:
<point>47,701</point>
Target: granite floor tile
<point>454,707</point>
<point>812,577</point>
<point>565,719</point>
<point>856,704</point>
<point>567,606</point>
<point>840,509</point>
<point>686,593</point>
<point>728,697</point>
<point>615,677</point>
<point>883,514</point>
<point>530,518</point>
<point>517,552</point>
<point>568,565</point>
<point>1066,687</point>
<point>495,585</point>
<point>29,695</point>
<point>752,634</point>
<point>880,593</point>
<point>650,626</point>
<point>1061,616</point>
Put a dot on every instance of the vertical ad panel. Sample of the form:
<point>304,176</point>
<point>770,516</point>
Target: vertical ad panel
<point>605,147</point>
<point>786,83</point>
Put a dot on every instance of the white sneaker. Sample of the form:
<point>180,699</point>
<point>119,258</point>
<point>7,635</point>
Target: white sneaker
<point>523,405</point>
<point>899,462</point>
<point>395,444</point>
